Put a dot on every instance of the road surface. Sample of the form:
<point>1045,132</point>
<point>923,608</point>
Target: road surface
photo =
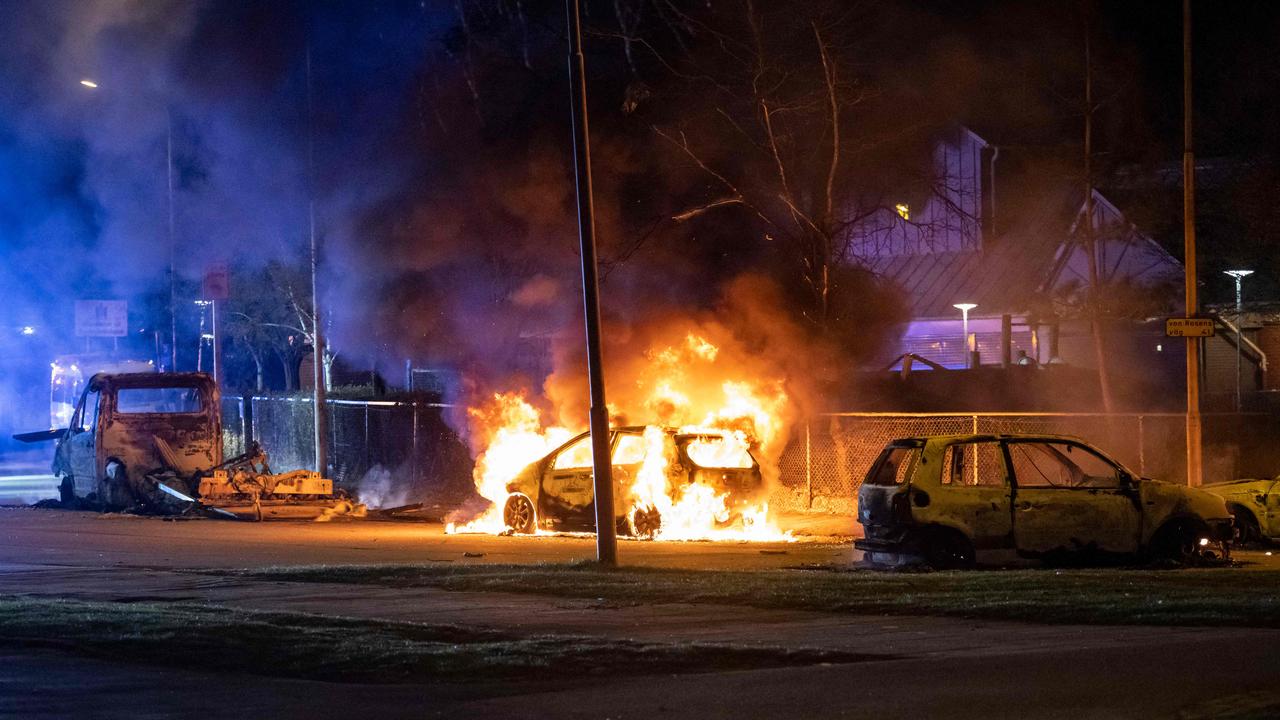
<point>930,667</point>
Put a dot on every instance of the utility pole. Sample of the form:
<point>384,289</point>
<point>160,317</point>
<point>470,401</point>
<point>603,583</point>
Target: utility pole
<point>173,250</point>
<point>1090,241</point>
<point>217,344</point>
<point>321,424</point>
<point>1189,254</point>
<point>606,539</point>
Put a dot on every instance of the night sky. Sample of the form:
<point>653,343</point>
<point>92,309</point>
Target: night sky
<point>441,148</point>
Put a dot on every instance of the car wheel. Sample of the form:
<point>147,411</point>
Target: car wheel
<point>519,515</point>
<point>948,550</point>
<point>1176,542</point>
<point>645,523</point>
<point>1245,528</point>
<point>67,490</point>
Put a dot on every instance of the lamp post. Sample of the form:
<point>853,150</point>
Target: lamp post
<point>964,309</point>
<point>1239,276</point>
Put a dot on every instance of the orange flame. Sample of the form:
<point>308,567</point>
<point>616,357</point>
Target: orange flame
<point>692,385</point>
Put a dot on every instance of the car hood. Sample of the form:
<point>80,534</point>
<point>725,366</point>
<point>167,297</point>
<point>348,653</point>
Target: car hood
<point>1179,499</point>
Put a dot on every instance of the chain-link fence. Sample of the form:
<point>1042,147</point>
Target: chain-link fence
<point>393,451</point>
<point>828,456</point>
<point>388,452</point>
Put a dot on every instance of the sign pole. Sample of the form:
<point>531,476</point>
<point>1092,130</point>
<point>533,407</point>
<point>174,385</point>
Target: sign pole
<point>1189,258</point>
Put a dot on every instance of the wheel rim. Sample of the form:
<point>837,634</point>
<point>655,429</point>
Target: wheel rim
<point>519,515</point>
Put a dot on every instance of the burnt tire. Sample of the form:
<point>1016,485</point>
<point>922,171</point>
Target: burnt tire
<point>1245,529</point>
<point>947,550</point>
<point>519,515</point>
<point>67,490</point>
<point>646,523</point>
<point>1177,542</point>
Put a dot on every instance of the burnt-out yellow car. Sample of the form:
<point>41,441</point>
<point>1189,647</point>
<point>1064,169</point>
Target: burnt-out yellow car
<point>952,500</point>
<point>1255,504</point>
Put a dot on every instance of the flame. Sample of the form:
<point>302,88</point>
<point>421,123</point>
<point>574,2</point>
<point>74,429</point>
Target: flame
<point>691,385</point>
<point>517,438</point>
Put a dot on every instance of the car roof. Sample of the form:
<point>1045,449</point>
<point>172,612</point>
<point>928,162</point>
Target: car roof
<point>991,437</point>
<point>151,380</point>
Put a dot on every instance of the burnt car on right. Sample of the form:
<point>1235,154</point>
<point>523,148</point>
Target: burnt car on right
<point>947,500</point>
<point>1255,504</point>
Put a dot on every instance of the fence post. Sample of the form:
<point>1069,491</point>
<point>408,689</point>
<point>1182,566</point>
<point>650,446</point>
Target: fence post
<point>974,425</point>
<point>808,468</point>
<point>1142,448</point>
<point>413,462</point>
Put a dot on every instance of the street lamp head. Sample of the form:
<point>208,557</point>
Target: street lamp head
<point>1239,274</point>
<point>964,307</point>
<point>89,84</point>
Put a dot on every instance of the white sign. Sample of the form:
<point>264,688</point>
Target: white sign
<point>102,318</point>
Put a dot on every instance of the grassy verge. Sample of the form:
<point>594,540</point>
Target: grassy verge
<point>205,638</point>
<point>1219,596</point>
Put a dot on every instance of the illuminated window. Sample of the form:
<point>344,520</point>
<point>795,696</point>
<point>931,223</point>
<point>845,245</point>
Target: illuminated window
<point>904,210</point>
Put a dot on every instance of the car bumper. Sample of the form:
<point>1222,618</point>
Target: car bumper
<point>893,550</point>
<point>1221,530</point>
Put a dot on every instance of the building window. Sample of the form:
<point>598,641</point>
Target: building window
<point>904,210</point>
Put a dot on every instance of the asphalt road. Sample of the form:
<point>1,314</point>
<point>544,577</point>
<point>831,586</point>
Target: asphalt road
<point>82,538</point>
<point>938,667</point>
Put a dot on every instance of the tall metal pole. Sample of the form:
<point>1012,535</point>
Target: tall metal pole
<point>321,423</point>
<point>606,540</point>
<point>1189,255</point>
<point>1090,239</point>
<point>173,250</point>
<point>217,344</point>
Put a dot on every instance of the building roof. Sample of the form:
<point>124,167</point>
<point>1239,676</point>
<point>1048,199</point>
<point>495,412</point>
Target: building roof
<point>1017,268</point>
<point>1006,274</point>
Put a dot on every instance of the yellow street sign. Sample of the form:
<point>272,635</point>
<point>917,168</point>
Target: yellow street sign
<point>1188,327</point>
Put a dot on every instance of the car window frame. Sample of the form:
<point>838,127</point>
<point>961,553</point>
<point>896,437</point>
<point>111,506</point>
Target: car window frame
<point>1120,470</point>
<point>585,437</point>
<point>944,474</point>
<point>617,442</point>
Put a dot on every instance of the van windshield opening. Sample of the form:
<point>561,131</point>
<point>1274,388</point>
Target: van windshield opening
<point>158,400</point>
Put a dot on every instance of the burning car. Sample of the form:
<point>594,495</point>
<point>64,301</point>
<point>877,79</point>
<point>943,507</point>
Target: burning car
<point>944,499</point>
<point>656,470</point>
<point>1255,504</point>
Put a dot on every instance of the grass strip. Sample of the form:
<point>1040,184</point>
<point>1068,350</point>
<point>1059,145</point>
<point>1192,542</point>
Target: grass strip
<point>1184,597</point>
<point>208,638</point>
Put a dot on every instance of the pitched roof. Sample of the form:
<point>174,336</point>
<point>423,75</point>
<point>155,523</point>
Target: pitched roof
<point>1006,274</point>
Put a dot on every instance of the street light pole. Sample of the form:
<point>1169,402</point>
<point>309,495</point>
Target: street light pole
<point>1239,276</point>
<point>1194,468</point>
<point>606,539</point>
<point>173,250</point>
<point>319,390</point>
<point>964,309</point>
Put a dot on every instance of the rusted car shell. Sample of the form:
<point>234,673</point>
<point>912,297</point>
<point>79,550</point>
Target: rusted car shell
<point>133,443</point>
<point>902,522</point>
<point>1254,502</point>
